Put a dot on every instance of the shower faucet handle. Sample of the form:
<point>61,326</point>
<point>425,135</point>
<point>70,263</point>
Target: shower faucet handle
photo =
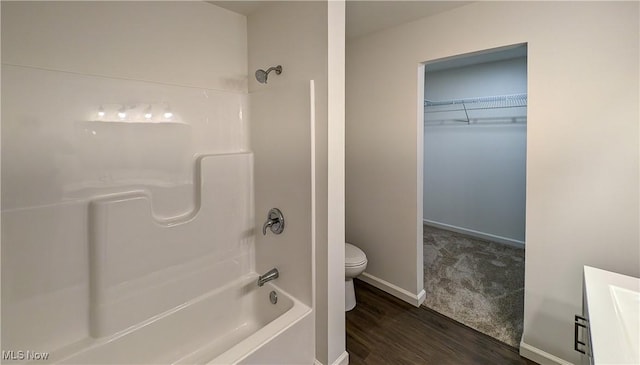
<point>275,222</point>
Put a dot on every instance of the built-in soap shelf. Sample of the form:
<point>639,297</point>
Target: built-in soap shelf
<point>141,265</point>
<point>145,113</point>
<point>137,122</point>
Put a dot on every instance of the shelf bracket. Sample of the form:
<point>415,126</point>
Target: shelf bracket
<point>465,113</point>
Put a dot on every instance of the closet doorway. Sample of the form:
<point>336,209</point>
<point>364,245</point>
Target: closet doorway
<point>475,125</point>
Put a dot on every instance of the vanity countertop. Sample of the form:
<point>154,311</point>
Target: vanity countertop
<point>613,308</point>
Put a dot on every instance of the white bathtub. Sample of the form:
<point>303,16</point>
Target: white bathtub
<point>236,324</point>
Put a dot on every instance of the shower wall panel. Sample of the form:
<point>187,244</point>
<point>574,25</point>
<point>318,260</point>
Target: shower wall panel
<point>78,80</point>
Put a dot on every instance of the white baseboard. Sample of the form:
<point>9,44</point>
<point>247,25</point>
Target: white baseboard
<point>413,299</point>
<point>421,297</point>
<point>343,359</point>
<point>471,232</point>
<point>539,356</point>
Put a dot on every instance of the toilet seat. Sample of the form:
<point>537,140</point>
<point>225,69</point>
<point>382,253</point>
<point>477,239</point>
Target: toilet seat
<point>353,256</point>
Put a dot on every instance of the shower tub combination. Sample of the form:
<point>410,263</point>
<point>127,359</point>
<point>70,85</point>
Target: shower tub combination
<point>236,324</point>
<point>183,290</point>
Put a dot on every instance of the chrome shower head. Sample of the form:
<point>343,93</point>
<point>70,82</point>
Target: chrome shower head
<point>262,75</point>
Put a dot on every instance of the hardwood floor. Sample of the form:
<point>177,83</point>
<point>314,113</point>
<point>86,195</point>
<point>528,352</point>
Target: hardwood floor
<point>385,330</point>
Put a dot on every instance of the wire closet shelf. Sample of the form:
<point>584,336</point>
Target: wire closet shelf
<point>489,109</point>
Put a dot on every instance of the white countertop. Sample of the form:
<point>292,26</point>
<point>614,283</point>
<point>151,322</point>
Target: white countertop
<point>613,305</point>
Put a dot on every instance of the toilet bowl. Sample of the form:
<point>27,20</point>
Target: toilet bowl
<point>355,261</point>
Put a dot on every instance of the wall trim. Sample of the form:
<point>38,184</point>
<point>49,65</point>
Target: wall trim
<point>343,359</point>
<point>421,297</point>
<point>478,234</point>
<point>539,356</point>
<point>396,291</point>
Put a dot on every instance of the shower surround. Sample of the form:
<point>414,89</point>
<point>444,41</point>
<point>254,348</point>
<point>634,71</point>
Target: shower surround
<point>128,180</point>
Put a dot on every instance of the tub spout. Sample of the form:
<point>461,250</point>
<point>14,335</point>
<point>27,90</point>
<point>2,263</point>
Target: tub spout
<point>268,276</point>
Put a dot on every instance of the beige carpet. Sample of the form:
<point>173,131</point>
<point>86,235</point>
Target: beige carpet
<point>475,282</point>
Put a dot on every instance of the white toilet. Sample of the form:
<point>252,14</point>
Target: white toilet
<point>355,261</point>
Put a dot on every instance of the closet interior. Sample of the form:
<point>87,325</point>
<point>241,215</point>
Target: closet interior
<point>475,135</point>
<point>475,114</point>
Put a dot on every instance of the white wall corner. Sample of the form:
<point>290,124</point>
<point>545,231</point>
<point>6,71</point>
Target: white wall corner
<point>420,185</point>
<point>422,295</point>
<point>414,299</point>
<point>539,356</point>
<point>336,180</point>
<point>341,360</point>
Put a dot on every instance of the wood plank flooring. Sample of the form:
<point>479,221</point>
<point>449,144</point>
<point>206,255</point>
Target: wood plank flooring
<point>385,330</point>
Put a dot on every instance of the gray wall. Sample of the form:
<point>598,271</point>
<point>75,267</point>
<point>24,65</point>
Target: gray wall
<point>582,146</point>
<point>474,175</point>
<point>295,35</point>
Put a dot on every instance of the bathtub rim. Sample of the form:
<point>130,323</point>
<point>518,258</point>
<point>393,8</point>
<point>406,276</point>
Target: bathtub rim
<point>265,334</point>
<point>299,309</point>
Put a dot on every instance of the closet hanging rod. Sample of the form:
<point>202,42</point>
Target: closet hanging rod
<point>517,99</point>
